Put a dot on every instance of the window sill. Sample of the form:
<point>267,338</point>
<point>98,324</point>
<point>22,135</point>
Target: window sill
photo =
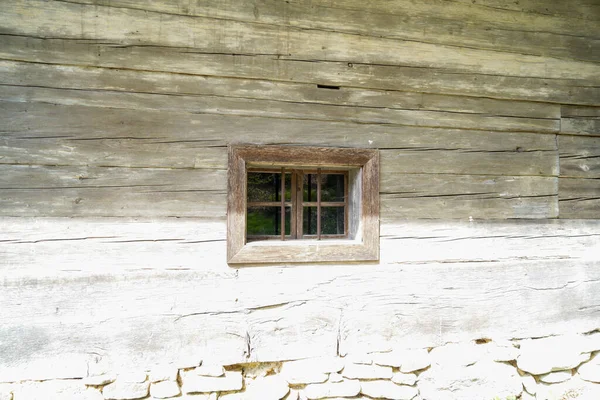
<point>303,251</point>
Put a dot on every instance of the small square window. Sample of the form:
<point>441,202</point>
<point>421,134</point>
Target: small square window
<point>302,204</point>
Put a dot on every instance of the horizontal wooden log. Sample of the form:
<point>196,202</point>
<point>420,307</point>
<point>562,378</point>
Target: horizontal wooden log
<point>126,27</point>
<point>146,82</point>
<point>214,312</point>
<point>588,126</point>
<point>467,196</point>
<point>73,135</point>
<point>580,9</point>
<point>424,80</point>
<point>579,198</point>
<point>277,109</point>
<point>495,28</point>
<point>147,192</point>
<point>579,156</point>
<point>85,191</point>
<point>579,111</point>
<point>56,247</point>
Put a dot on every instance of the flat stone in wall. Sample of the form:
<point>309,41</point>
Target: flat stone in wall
<point>193,383</point>
<point>55,390</point>
<point>382,389</point>
<point>482,380</point>
<point>591,370</point>
<point>346,388</point>
<point>541,356</point>
<point>164,389</point>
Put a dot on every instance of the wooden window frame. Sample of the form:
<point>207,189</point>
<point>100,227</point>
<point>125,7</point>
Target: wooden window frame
<point>363,220</point>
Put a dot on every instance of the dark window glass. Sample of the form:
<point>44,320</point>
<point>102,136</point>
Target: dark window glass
<point>267,186</point>
<point>332,187</point>
<point>266,221</point>
<point>309,223</point>
<point>332,220</point>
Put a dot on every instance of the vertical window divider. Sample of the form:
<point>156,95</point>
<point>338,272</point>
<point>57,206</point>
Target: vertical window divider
<point>282,203</point>
<point>293,208</point>
<point>318,203</point>
<point>299,203</point>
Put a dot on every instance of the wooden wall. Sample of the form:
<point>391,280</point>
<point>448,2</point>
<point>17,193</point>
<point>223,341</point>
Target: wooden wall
<point>116,115</point>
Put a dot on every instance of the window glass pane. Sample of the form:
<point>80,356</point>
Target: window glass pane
<point>266,186</point>
<point>309,221</point>
<point>309,187</point>
<point>332,187</point>
<point>332,220</point>
<point>261,221</point>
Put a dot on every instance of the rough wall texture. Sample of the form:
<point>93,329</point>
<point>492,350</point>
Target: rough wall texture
<point>115,120</point>
<point>554,368</point>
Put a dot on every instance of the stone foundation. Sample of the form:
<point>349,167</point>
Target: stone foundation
<point>543,369</point>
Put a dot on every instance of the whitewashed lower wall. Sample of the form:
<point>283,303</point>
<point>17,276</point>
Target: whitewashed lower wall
<point>128,294</point>
<point>559,367</point>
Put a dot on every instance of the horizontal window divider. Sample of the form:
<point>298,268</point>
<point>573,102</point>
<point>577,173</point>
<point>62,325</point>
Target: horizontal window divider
<point>268,204</point>
<point>324,204</point>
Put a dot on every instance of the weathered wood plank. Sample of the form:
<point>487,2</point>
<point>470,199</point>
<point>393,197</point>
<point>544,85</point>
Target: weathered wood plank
<point>56,135</point>
<point>122,26</point>
<point>579,198</point>
<point>579,111</point>
<point>143,192</point>
<point>87,191</point>
<point>57,247</point>
<point>589,126</point>
<point>428,80</point>
<point>463,161</point>
<point>146,82</point>
<point>579,156</point>
<point>277,109</point>
<point>451,24</point>
<point>467,196</point>
<point>581,9</point>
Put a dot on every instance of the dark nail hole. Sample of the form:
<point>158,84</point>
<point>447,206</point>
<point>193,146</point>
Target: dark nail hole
<point>328,87</point>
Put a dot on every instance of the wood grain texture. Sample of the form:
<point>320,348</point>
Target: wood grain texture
<point>75,135</point>
<point>579,9</point>
<point>184,93</point>
<point>572,90</point>
<point>282,312</point>
<point>88,191</point>
<point>579,156</point>
<point>468,196</point>
<point>122,26</point>
<point>579,198</point>
<point>493,28</point>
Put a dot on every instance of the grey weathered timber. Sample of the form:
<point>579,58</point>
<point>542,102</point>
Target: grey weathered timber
<point>579,156</point>
<point>455,25</point>
<point>273,313</point>
<point>579,198</point>
<point>143,192</point>
<point>589,126</point>
<point>579,9</point>
<point>231,96</point>
<point>278,109</point>
<point>186,61</point>
<point>135,27</point>
<point>91,191</point>
<point>468,196</point>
